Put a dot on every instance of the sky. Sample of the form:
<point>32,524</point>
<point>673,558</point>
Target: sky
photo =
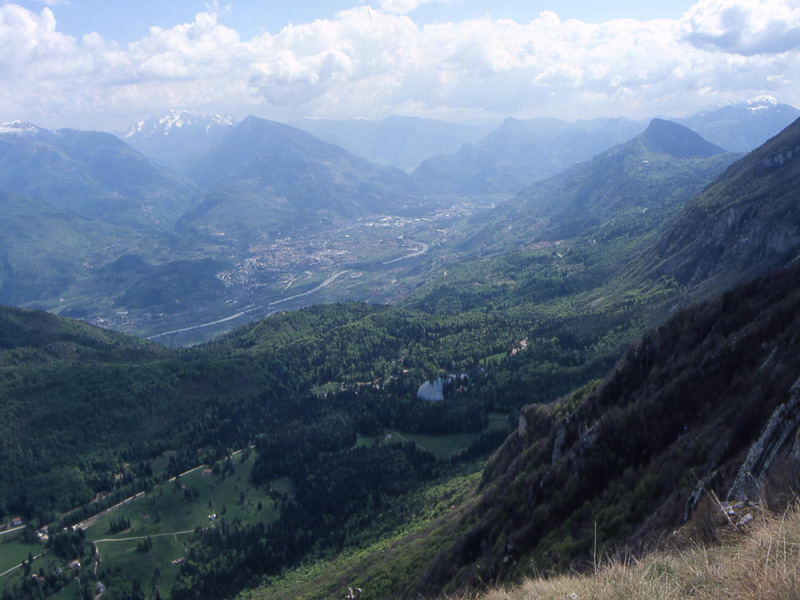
<point>102,64</point>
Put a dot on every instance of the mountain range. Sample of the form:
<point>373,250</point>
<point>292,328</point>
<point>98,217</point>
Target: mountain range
<point>401,142</point>
<point>521,152</point>
<point>245,184</point>
<point>293,455</point>
<point>744,126</point>
<point>639,183</point>
<point>518,153</point>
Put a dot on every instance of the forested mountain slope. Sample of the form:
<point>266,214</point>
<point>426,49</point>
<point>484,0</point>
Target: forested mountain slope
<point>264,173</point>
<point>573,234</point>
<point>628,190</point>
<point>44,250</point>
<point>93,175</point>
<point>32,335</point>
<point>88,398</point>
<point>92,415</point>
<point>708,399</point>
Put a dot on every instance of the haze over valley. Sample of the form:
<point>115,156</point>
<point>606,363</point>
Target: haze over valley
<point>222,222</point>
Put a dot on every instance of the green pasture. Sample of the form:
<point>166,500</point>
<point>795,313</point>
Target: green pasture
<point>188,502</point>
<point>13,551</point>
<point>441,446</point>
<point>170,513</point>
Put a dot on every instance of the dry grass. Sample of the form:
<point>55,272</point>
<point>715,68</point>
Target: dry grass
<point>757,562</point>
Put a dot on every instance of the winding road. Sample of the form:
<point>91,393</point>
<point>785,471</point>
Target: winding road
<point>251,308</point>
<point>422,250</point>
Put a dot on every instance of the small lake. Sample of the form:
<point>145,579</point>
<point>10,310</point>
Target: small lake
<point>431,391</point>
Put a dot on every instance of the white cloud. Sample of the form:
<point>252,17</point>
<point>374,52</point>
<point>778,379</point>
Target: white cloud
<point>746,27</point>
<point>403,7</point>
<point>371,62</point>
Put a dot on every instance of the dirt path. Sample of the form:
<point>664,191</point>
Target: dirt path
<point>92,520</point>
<point>7,531</point>
<point>394,433</point>
<point>12,569</point>
<point>144,537</point>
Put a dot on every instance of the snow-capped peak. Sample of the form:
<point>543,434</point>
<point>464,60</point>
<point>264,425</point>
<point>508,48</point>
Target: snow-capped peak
<point>176,120</point>
<point>19,128</point>
<point>760,103</point>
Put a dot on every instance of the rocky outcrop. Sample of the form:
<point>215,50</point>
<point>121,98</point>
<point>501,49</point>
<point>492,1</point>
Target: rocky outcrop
<point>781,427</point>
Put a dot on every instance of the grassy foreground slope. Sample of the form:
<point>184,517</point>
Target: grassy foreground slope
<point>757,562</point>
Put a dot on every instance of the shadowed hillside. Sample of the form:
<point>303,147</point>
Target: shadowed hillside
<point>689,409</point>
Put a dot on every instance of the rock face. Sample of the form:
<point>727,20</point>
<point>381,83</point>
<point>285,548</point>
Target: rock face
<point>712,396</point>
<point>781,427</point>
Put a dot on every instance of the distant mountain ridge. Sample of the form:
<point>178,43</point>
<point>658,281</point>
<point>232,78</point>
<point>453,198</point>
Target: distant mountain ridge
<point>396,141</point>
<point>178,138</point>
<point>178,120</point>
<point>19,128</point>
<point>264,171</point>
<point>667,137</point>
<point>635,185</point>
<point>743,126</point>
<point>91,174</point>
<point>744,222</point>
<point>520,152</point>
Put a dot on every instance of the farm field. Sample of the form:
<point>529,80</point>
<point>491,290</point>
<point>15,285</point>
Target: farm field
<point>167,515</point>
<point>13,551</point>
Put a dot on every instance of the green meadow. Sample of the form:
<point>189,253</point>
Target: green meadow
<point>441,446</point>
<point>169,514</point>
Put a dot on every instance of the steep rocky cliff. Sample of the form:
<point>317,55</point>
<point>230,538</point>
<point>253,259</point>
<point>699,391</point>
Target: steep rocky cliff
<point>708,402</point>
